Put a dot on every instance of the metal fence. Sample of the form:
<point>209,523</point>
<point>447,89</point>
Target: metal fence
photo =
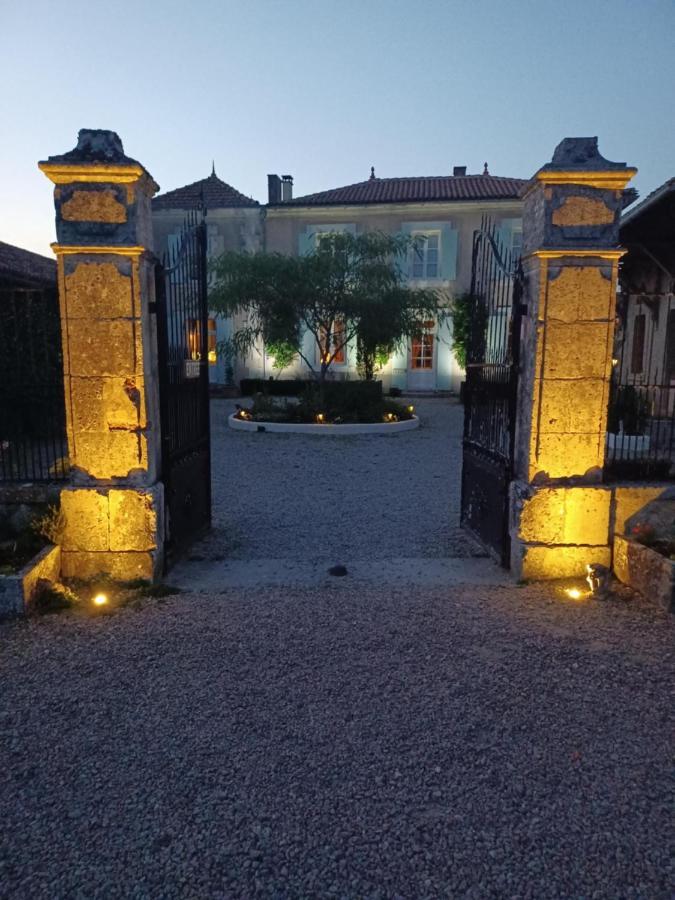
<point>641,415</point>
<point>32,410</point>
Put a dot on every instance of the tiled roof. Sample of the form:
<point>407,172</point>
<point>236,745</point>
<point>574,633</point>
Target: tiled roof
<point>635,211</point>
<point>215,193</point>
<point>26,268</point>
<point>416,190</point>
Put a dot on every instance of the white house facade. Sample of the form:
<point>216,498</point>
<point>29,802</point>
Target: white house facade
<point>443,211</point>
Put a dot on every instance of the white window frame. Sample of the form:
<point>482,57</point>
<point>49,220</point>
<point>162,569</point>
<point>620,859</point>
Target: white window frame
<point>516,232</point>
<point>429,329</point>
<point>422,251</point>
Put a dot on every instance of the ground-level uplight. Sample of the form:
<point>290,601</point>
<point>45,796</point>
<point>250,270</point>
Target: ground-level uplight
<point>100,600</point>
<point>410,409</point>
<point>574,593</point>
<point>320,419</point>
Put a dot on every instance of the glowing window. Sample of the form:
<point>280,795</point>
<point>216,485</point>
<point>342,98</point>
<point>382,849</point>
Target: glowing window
<point>336,341</point>
<point>194,338</point>
<point>213,343</point>
<point>422,352</point>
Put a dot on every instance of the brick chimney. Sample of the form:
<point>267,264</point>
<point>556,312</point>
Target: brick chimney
<point>459,170</point>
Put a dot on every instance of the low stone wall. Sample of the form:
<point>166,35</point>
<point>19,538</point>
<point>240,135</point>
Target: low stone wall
<point>645,570</point>
<point>557,531</point>
<point>16,591</point>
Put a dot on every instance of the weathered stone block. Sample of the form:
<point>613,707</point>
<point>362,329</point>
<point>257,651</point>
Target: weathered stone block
<point>579,294</point>
<point>572,407</point>
<point>86,519</point>
<point>561,515</point>
<point>94,205</point>
<point>100,403</point>
<point>567,456</point>
<point>98,291</point>
<point>576,351</point>
<point>119,565</point>
<point>537,563</point>
<point>46,565</point>
<point>17,591</point>
<point>584,211</point>
<point>134,519</point>
<point>108,347</point>
<point>117,454</point>
<point>646,571</point>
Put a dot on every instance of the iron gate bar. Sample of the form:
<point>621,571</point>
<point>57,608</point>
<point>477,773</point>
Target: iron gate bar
<point>33,446</point>
<point>182,320</point>
<point>492,364</point>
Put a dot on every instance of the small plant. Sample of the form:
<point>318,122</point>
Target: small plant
<point>51,597</point>
<point>50,525</point>
<point>460,314</point>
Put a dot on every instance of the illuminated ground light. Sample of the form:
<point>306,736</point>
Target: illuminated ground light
<point>575,593</point>
<point>320,419</point>
<point>100,600</point>
<point>411,409</point>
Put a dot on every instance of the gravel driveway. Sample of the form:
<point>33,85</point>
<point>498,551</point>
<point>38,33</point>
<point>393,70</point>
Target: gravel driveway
<point>367,496</point>
<point>395,733</point>
<point>479,742</point>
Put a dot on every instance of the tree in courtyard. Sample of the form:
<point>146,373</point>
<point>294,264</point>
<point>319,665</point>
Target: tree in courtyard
<point>350,288</point>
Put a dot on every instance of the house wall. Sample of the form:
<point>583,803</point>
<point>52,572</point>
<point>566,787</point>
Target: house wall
<point>240,230</point>
<point>290,230</point>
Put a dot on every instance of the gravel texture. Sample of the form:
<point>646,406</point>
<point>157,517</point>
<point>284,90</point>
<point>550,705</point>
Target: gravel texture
<point>402,736</point>
<point>366,496</point>
<point>354,742</point>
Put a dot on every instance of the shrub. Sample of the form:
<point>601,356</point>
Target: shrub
<point>273,387</point>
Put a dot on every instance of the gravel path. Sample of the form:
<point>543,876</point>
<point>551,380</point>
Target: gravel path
<point>354,742</point>
<point>367,496</point>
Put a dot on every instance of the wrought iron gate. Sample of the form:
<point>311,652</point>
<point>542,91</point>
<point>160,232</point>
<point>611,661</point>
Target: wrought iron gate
<point>182,336</point>
<point>491,389</point>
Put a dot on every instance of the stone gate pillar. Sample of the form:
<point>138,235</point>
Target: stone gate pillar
<point>113,508</point>
<point>559,509</point>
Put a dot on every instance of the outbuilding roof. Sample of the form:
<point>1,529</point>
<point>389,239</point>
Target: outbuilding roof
<point>211,191</point>
<point>426,189</point>
<point>25,267</point>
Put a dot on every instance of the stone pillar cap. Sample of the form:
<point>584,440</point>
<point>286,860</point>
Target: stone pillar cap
<point>577,160</point>
<point>98,156</point>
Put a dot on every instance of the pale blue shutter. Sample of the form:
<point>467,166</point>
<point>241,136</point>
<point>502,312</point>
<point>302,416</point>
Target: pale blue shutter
<point>407,229</point>
<point>505,232</point>
<point>448,268</point>
<point>306,241</point>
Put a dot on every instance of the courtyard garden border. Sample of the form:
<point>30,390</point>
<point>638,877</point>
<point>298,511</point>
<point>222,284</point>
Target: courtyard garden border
<point>326,428</point>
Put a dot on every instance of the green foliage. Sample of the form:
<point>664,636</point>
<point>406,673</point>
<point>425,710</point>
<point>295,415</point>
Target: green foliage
<point>460,314</point>
<point>340,402</point>
<point>283,352</point>
<point>350,288</point>
<point>50,525</point>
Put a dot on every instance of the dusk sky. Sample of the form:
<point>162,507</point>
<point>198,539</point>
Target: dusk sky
<point>323,90</point>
